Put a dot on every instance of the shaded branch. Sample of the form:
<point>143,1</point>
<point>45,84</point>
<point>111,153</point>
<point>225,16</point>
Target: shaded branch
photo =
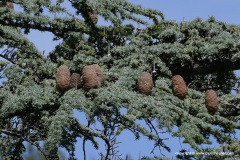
<point>8,55</point>
<point>220,65</point>
<point>10,133</point>
<point>201,68</point>
<point>232,110</point>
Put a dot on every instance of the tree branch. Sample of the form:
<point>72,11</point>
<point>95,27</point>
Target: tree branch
<point>84,141</point>
<point>8,55</point>
<point>43,23</point>
<point>10,133</point>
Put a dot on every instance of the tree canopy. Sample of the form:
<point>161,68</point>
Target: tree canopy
<point>118,67</point>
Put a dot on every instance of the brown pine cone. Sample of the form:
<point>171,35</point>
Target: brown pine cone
<point>62,78</point>
<point>100,74</point>
<point>145,83</point>
<point>75,80</point>
<point>9,5</point>
<point>93,76</point>
<point>179,87</point>
<point>211,101</point>
<point>93,15</point>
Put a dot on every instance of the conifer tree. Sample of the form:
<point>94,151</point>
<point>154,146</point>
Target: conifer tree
<point>166,74</point>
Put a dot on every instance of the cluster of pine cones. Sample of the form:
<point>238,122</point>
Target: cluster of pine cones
<point>179,89</point>
<point>92,77</point>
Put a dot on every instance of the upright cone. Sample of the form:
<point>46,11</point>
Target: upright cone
<point>62,78</point>
<point>93,76</point>
<point>94,17</point>
<point>211,101</point>
<point>179,87</point>
<point>8,4</point>
<point>75,80</point>
<point>145,83</point>
<point>100,73</point>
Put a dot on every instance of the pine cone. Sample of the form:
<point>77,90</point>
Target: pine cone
<point>75,80</point>
<point>145,83</point>
<point>62,78</point>
<point>9,5</point>
<point>179,87</point>
<point>211,101</point>
<point>100,74</point>
<point>93,15</point>
<point>92,76</point>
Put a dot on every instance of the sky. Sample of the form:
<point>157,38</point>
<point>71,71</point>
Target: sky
<point>187,10</point>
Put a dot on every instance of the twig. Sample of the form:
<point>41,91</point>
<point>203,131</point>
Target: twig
<point>156,132</point>
<point>5,54</point>
<point>37,146</point>
<point>84,141</point>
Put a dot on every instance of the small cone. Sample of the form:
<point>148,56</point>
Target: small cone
<point>75,80</point>
<point>9,5</point>
<point>62,78</point>
<point>179,87</point>
<point>93,15</point>
<point>145,83</point>
<point>211,101</point>
<point>93,76</point>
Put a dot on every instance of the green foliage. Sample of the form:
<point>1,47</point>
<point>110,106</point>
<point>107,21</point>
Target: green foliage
<point>205,53</point>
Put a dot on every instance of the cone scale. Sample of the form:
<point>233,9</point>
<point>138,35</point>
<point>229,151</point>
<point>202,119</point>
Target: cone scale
<point>75,80</point>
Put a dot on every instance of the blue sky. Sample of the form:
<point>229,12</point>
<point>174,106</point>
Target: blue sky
<point>223,10</point>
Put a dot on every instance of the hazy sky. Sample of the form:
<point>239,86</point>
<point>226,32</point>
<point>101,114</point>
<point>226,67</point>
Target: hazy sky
<point>224,10</point>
